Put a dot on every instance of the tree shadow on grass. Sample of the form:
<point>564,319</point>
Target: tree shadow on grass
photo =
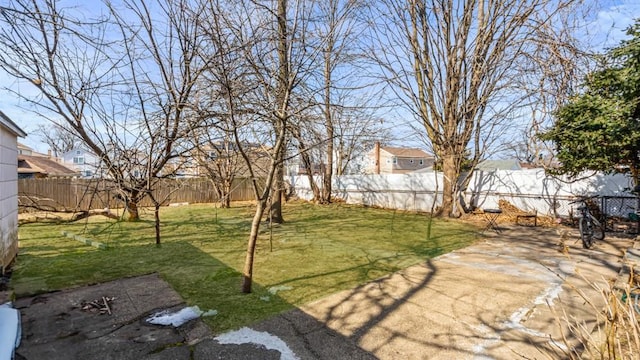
<point>199,278</point>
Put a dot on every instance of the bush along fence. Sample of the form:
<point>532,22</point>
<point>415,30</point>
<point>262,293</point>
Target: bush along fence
<point>81,194</point>
<point>529,190</point>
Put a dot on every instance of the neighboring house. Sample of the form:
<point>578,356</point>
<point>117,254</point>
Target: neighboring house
<point>228,158</point>
<point>9,133</point>
<point>25,150</point>
<point>183,166</point>
<point>38,167</point>
<point>397,160</point>
<point>82,161</point>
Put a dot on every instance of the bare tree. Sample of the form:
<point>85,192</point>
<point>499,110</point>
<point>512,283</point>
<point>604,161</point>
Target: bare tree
<point>246,88</point>
<point>59,139</point>
<point>121,83</point>
<point>345,92</point>
<point>220,160</point>
<point>550,73</point>
<point>452,65</point>
<point>264,44</point>
<point>356,133</point>
<point>222,99</point>
<point>307,140</point>
<point>276,79</point>
<point>338,31</point>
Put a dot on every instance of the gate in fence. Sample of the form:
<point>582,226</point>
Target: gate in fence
<point>622,210</point>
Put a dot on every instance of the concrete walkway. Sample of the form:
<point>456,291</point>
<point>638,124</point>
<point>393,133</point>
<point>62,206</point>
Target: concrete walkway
<point>502,298</point>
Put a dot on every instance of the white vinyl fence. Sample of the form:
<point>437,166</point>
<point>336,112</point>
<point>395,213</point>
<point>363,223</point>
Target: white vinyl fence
<point>527,189</point>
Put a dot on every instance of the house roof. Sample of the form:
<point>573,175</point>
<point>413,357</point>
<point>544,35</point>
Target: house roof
<point>506,164</point>
<point>406,152</point>
<point>11,126</point>
<point>41,165</point>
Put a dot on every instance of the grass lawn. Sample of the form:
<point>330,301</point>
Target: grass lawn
<point>318,251</point>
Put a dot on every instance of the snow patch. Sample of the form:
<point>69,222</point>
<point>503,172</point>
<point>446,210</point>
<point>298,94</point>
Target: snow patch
<point>554,274</point>
<point>250,336</point>
<point>274,289</point>
<point>180,317</point>
<point>549,295</point>
<point>491,338</point>
<point>546,297</point>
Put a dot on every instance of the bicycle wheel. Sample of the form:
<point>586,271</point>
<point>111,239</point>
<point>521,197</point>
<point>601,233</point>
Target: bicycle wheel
<point>586,232</point>
<point>598,229</point>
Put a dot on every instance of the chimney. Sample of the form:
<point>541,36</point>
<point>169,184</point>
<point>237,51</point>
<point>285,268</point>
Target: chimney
<point>49,153</point>
<point>377,156</point>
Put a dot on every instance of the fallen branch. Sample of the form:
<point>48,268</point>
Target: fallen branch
<point>56,216</point>
<point>106,305</point>
<point>85,214</point>
<point>101,307</point>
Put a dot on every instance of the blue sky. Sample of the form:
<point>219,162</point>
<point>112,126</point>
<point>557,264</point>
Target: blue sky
<point>605,29</point>
<point>609,23</point>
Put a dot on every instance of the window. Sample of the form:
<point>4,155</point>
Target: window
<point>421,162</point>
<point>78,152</point>
<point>87,173</point>
<point>78,160</point>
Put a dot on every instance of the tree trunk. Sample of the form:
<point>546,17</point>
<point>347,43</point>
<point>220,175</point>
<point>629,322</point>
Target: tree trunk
<point>328,170</point>
<point>314,187</point>
<point>132,210</point>
<point>282,115</point>
<point>226,196</point>
<point>156,216</point>
<point>218,188</point>
<point>275,215</point>
<point>275,178</point>
<point>306,161</point>
<point>450,174</point>
<point>247,272</point>
<point>326,179</point>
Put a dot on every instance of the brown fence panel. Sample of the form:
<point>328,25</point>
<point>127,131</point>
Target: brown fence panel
<point>85,194</point>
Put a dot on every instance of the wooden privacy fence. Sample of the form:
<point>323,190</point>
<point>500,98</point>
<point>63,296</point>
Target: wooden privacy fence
<point>101,193</point>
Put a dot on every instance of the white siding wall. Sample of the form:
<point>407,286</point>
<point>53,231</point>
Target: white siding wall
<point>8,197</point>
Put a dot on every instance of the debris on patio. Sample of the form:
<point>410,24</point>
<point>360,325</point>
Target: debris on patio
<point>100,306</point>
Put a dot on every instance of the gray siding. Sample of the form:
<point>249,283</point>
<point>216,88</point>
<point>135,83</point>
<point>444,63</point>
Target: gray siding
<point>8,197</point>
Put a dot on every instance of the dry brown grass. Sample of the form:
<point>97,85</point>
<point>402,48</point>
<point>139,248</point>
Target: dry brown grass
<point>616,335</point>
<point>509,215</point>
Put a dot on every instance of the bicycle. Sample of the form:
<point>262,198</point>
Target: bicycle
<point>590,227</point>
